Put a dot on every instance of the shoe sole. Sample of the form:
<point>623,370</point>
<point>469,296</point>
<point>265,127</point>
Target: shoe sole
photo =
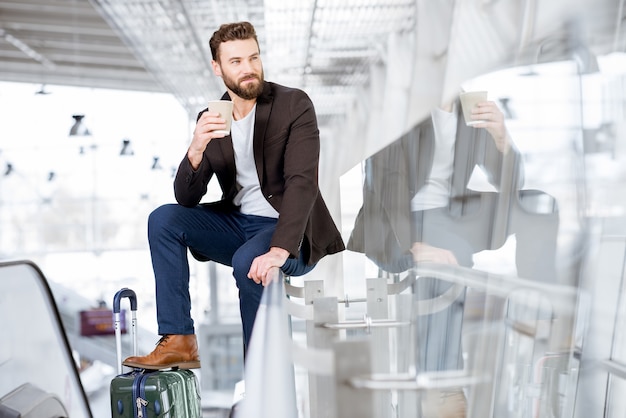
<point>181,365</point>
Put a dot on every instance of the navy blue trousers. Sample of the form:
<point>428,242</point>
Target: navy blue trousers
<point>229,238</point>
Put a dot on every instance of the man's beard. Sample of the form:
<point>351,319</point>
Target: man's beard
<point>250,91</point>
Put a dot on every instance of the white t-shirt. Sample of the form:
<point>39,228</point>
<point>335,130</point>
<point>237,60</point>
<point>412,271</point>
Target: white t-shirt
<point>249,196</point>
<point>436,191</point>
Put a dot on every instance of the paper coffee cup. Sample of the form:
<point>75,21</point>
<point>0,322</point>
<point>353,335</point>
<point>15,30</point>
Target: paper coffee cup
<point>468,101</point>
<point>225,109</point>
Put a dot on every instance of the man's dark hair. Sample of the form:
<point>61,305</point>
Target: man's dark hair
<point>238,31</point>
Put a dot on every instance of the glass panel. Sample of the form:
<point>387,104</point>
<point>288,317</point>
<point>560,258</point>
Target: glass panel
<point>618,350</point>
<point>481,190</point>
<point>615,402</point>
<point>505,200</point>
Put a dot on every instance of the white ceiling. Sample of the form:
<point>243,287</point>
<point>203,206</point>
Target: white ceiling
<point>66,42</point>
<point>323,46</point>
<point>326,47</point>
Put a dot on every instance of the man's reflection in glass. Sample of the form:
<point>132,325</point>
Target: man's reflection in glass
<point>440,194</point>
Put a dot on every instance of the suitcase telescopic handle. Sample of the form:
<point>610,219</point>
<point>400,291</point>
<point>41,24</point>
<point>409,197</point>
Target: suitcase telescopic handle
<point>124,293</point>
<point>117,299</point>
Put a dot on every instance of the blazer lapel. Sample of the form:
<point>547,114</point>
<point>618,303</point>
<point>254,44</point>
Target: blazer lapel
<point>263,110</point>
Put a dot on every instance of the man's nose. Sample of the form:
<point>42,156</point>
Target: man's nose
<point>248,67</point>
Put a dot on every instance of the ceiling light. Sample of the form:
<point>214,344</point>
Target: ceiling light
<point>42,90</point>
<point>126,148</point>
<point>79,129</point>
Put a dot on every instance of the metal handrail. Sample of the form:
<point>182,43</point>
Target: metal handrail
<point>367,322</point>
<point>499,284</point>
<point>614,367</point>
<point>450,379</point>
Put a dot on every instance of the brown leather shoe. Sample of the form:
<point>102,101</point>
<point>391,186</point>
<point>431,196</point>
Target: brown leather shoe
<point>172,351</point>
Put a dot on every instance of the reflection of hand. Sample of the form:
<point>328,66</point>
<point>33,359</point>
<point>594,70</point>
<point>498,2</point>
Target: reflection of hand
<point>427,253</point>
<point>265,267</point>
<point>492,119</point>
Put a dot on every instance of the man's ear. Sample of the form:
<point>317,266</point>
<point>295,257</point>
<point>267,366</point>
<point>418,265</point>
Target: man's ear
<point>217,70</point>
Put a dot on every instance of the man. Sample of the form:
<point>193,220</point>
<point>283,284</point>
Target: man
<point>422,202</point>
<point>420,205</point>
<point>418,188</point>
<point>271,214</point>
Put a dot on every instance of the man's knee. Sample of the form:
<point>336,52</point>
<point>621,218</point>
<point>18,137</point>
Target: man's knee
<point>241,263</point>
<point>162,215</point>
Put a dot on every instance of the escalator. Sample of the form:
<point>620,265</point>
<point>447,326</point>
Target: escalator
<point>38,375</point>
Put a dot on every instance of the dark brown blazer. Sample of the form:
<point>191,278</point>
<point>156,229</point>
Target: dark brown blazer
<point>286,151</point>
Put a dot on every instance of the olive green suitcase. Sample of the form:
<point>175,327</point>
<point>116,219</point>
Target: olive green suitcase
<point>147,393</point>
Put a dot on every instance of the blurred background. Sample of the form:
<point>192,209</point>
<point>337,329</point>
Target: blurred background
<point>98,101</point>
